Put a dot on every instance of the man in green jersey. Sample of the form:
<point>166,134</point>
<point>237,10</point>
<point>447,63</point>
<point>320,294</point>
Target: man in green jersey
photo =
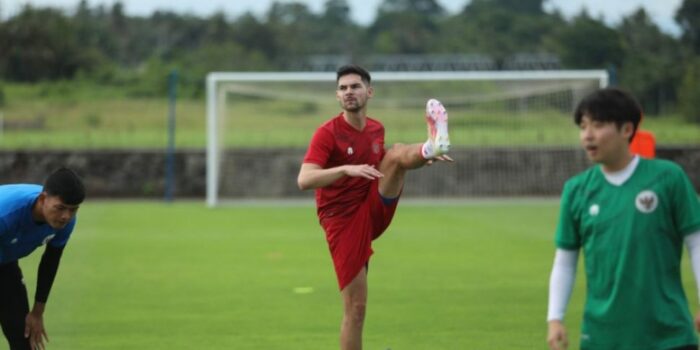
<point>630,216</point>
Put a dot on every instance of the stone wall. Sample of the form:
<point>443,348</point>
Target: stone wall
<point>271,173</point>
<point>110,174</point>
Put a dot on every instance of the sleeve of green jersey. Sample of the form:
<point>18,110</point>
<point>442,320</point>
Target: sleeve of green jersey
<point>567,236</point>
<point>686,205</point>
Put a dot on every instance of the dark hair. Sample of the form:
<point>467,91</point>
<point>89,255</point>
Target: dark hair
<point>65,184</point>
<point>353,69</point>
<point>610,105</point>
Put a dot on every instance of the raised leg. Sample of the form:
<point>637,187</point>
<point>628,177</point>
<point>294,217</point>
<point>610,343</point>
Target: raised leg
<point>398,160</point>
<point>401,158</point>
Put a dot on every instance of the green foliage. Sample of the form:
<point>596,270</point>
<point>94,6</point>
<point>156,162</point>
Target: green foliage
<point>404,32</point>
<point>339,34</point>
<point>496,31</point>
<point>255,36</point>
<point>688,17</point>
<point>428,8</point>
<point>294,27</point>
<point>651,66</point>
<point>529,7</point>
<point>689,98</point>
<point>337,12</point>
<point>407,27</point>
<point>195,65</point>
<point>40,44</point>
<point>104,44</point>
<point>2,95</point>
<point>152,81</point>
<point>587,43</point>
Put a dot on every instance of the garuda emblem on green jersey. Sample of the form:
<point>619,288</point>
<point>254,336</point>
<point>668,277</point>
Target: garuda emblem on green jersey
<point>646,201</point>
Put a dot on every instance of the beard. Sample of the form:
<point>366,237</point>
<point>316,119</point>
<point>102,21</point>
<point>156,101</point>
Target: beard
<point>353,106</point>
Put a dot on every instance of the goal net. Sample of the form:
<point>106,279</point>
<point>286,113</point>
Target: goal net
<point>259,125</point>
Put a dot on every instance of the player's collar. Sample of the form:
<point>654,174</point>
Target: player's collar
<point>618,178</point>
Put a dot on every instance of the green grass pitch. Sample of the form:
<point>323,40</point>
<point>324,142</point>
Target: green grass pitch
<point>146,275</point>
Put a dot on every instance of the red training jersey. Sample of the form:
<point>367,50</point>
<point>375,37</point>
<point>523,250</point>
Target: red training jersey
<point>336,143</point>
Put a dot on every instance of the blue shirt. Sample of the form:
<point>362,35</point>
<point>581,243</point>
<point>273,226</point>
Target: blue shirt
<point>20,235</point>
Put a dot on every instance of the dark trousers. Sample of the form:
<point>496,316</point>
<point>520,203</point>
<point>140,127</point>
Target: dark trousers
<point>14,305</point>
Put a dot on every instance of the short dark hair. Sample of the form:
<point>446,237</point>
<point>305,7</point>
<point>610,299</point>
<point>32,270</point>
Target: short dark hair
<point>65,184</point>
<point>353,69</point>
<point>610,105</point>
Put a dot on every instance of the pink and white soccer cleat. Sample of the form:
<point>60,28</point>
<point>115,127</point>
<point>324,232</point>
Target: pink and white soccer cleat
<point>436,116</point>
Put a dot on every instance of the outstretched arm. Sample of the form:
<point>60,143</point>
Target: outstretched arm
<point>693,243</point>
<point>313,176</point>
<point>34,322</point>
<point>561,284</point>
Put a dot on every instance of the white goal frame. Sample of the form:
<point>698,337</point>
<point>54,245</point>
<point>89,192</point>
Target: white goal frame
<point>214,79</point>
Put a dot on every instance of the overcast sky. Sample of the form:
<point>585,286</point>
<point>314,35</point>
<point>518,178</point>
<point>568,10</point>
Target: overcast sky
<point>363,11</point>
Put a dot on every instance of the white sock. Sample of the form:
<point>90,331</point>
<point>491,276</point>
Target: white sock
<point>427,150</point>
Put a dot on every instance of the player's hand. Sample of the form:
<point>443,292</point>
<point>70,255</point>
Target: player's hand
<point>34,330</point>
<point>442,158</point>
<point>363,170</point>
<point>697,321</point>
<point>556,336</point>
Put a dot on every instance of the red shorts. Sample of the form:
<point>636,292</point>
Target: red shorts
<point>350,236</point>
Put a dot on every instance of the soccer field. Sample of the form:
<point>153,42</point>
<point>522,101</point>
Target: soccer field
<point>147,275</point>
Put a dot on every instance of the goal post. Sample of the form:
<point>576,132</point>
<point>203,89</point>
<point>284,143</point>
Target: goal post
<point>215,96</point>
<point>498,92</point>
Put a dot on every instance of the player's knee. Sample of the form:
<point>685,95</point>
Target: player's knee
<point>357,311</point>
<point>396,147</point>
<point>394,153</point>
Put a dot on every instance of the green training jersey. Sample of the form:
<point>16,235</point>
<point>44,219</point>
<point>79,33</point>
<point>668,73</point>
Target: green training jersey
<point>632,240</point>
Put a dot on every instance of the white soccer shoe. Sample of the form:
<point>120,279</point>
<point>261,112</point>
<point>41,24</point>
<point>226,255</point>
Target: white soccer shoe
<point>436,116</point>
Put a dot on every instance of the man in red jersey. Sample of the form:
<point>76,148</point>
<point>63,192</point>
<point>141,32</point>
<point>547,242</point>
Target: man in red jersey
<point>358,185</point>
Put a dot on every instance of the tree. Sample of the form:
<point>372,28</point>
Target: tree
<point>2,95</point>
<point>688,17</point>
<point>294,29</point>
<point>429,8</point>
<point>650,68</point>
<point>689,93</point>
<point>587,43</point>
<point>499,28</point>
<point>216,57</point>
<point>406,26</point>
<point>217,29</point>
<point>253,35</point>
<point>117,18</point>
<point>337,12</point>
<point>39,44</point>
<point>340,34</point>
<point>529,7</point>
<point>93,35</point>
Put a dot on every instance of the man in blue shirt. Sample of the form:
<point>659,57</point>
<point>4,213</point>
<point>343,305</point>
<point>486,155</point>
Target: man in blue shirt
<point>31,216</point>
